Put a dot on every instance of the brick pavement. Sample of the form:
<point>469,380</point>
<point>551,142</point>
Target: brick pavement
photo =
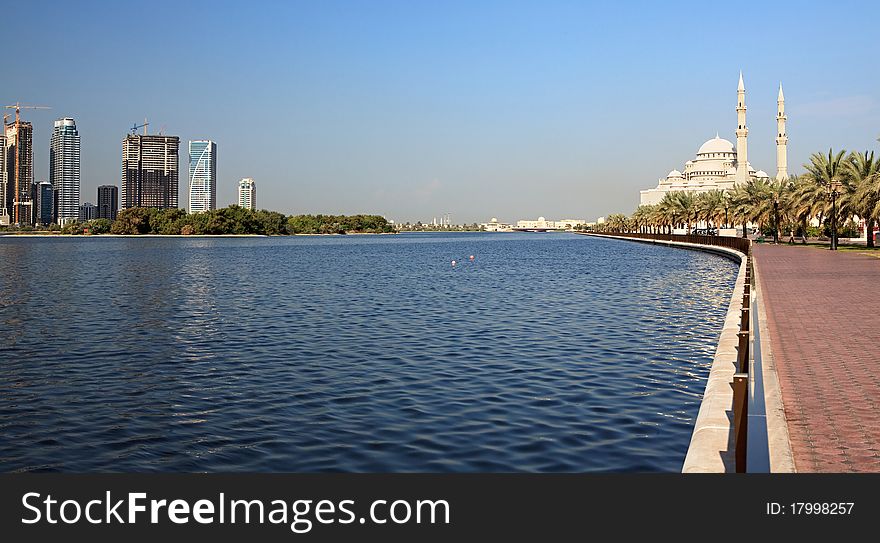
<point>823,313</point>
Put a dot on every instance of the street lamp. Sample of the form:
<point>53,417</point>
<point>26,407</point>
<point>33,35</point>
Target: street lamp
<point>776,220</point>
<point>832,189</point>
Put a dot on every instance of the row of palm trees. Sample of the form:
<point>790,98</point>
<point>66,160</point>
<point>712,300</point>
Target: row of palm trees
<point>846,184</point>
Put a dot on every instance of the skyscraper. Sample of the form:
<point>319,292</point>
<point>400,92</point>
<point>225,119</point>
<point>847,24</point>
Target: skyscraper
<point>247,193</point>
<point>43,197</point>
<point>64,172</point>
<point>150,171</point>
<point>108,202</point>
<point>4,211</point>
<point>202,176</point>
<point>20,171</point>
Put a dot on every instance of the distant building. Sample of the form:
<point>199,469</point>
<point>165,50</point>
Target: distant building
<point>247,193</point>
<point>495,226</point>
<point>64,169</point>
<point>150,171</point>
<point>544,224</point>
<point>540,224</point>
<point>202,176</point>
<point>43,197</point>
<point>87,212</point>
<point>4,211</point>
<point>570,224</point>
<point>20,171</point>
<point>108,202</point>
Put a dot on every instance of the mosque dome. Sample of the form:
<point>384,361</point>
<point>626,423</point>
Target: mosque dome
<point>761,174</point>
<point>674,174</point>
<point>716,145</point>
<point>494,219</point>
<point>541,219</point>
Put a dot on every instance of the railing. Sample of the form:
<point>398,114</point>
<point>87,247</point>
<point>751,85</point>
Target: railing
<point>741,377</point>
<point>753,432</point>
<point>748,391</point>
<point>740,244</point>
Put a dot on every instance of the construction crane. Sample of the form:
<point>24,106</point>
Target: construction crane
<point>134,127</point>
<point>18,107</point>
<point>15,202</point>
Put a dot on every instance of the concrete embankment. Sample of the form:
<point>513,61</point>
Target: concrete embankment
<point>712,447</point>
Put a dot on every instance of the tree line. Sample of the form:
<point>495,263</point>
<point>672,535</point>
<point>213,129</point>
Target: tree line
<point>842,184</point>
<point>228,220</point>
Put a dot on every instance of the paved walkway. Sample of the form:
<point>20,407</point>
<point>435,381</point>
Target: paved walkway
<point>823,311</point>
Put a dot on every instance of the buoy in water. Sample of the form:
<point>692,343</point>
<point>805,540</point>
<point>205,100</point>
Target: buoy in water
<point>472,257</point>
<point>453,262</point>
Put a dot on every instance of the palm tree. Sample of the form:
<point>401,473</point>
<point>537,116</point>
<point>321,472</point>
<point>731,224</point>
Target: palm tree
<point>745,202</point>
<point>806,200</point>
<point>771,203</point>
<point>659,216</point>
<point>686,207</point>
<point>640,217</point>
<point>829,174</point>
<point>711,206</point>
<point>616,222</point>
<point>668,210</point>
<point>863,173</point>
<point>826,170</point>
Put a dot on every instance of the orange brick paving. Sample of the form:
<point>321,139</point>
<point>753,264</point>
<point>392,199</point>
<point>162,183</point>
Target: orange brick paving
<point>823,312</point>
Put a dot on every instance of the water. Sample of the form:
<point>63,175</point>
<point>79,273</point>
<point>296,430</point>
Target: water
<point>548,352</point>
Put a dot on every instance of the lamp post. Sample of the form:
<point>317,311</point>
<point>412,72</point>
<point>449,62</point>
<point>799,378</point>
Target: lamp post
<point>776,220</point>
<point>833,192</point>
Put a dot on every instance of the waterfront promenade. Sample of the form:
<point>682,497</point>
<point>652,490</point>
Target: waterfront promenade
<point>822,309</point>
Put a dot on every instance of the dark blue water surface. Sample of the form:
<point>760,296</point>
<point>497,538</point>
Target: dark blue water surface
<point>548,352</point>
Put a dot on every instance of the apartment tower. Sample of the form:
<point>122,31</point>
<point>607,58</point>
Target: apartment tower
<point>64,172</point>
<point>247,193</point>
<point>202,176</point>
<point>108,201</point>
<point>150,171</point>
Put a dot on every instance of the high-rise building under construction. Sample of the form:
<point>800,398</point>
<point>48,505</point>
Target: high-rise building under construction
<point>150,171</point>
<point>19,171</point>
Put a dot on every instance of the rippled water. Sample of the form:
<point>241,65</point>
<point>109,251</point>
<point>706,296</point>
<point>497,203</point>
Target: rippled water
<point>548,352</point>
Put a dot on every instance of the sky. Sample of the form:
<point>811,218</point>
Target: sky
<point>415,109</point>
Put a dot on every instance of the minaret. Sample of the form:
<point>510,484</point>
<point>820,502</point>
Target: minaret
<point>742,151</point>
<point>781,139</point>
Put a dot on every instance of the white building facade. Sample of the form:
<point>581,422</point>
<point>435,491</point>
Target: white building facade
<point>202,176</point>
<point>247,193</point>
<point>718,164</point>
<point>495,225</point>
<point>544,224</point>
<point>64,169</point>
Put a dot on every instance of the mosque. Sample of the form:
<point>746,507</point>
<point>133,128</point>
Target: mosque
<point>720,166</point>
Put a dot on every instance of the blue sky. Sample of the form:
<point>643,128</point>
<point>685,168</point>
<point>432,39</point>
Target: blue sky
<point>412,109</point>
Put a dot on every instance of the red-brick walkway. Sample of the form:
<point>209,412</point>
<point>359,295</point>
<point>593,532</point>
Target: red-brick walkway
<point>823,311</point>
